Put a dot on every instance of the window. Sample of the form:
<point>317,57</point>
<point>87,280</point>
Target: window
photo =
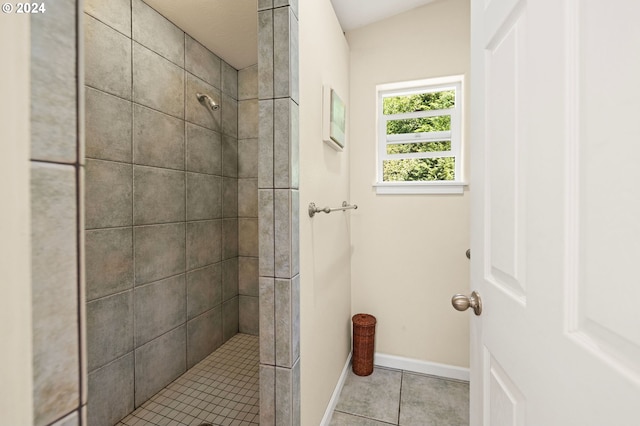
<point>420,137</point>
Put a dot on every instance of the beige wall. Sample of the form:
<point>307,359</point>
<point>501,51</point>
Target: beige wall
<point>408,250</point>
<point>325,290</point>
<point>15,292</point>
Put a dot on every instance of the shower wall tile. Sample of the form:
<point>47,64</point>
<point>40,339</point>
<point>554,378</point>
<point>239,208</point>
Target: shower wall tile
<point>113,388</point>
<point>157,82</point>
<point>204,196</point>
<point>249,316</point>
<point>107,126</point>
<point>229,156</point>
<point>230,279</point>
<point>204,150</point>
<point>200,62</point>
<point>110,73</point>
<point>204,289</point>
<point>157,33</point>
<point>115,13</point>
<point>248,158</point>
<point>286,144</point>
<point>230,197</point>
<point>248,119</point>
<point>265,54</point>
<point>281,52</point>
<point>265,144</point>
<point>285,411</point>
<point>266,238</point>
<point>230,315</point>
<point>283,229</point>
<point>53,84</point>
<point>230,238</point>
<point>287,319</point>
<point>229,80</point>
<point>55,291</point>
<point>204,243</point>
<point>159,307</point>
<point>248,237</point>
<point>108,194</point>
<point>109,329</point>
<point>108,261</point>
<point>248,83</point>
<point>248,276</point>
<point>229,113</point>
<point>72,419</point>
<point>159,362</point>
<point>294,54</point>
<point>267,394</point>
<point>198,113</point>
<point>159,251</point>
<point>158,139</point>
<point>267,321</point>
<point>265,4</point>
<point>204,335</point>
<point>158,195</point>
<point>248,197</point>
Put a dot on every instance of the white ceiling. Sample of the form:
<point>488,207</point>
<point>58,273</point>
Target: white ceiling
<point>229,28</point>
<point>354,14</point>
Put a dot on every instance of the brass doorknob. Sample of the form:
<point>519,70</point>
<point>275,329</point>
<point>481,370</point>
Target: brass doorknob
<point>461,302</point>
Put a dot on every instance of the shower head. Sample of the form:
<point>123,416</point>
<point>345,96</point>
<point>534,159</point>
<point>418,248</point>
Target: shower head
<point>207,101</point>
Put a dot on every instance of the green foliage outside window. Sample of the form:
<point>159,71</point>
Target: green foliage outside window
<point>419,169</point>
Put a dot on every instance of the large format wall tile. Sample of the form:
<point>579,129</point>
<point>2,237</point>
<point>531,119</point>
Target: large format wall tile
<point>55,291</point>
<point>108,194</point>
<point>115,13</point>
<point>249,315</point>
<point>204,196</point>
<point>53,84</point>
<point>204,243</point>
<point>230,316</point>
<point>158,195</point>
<point>200,62</point>
<point>229,116</point>
<point>248,158</point>
<point>229,156</point>
<point>157,82</point>
<point>265,54</point>
<point>158,139</point>
<point>248,237</point>
<point>248,83</point>
<point>204,150</point>
<point>112,391</point>
<point>230,197</point>
<point>110,73</point>
<point>204,335</point>
<point>248,198</point>
<point>159,307</point>
<point>108,261</point>
<point>159,251</point>
<point>204,289</point>
<point>157,33</point>
<point>110,329</point>
<point>159,362</point>
<point>248,119</point>
<point>107,126</point>
<point>230,279</point>
<point>248,276</point>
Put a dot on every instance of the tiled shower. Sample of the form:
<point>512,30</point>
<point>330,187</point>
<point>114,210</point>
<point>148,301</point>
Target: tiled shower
<point>170,274</point>
<point>120,301</point>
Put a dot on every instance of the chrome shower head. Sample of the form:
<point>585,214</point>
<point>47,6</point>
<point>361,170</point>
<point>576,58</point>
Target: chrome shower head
<point>207,101</point>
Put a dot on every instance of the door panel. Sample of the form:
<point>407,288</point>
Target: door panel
<point>555,212</point>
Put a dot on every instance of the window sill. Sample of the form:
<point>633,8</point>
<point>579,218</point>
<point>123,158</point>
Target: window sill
<point>449,187</point>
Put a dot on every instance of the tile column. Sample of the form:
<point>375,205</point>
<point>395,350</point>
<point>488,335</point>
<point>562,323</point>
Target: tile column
<point>278,211</point>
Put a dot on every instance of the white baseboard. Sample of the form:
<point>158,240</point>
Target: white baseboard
<point>336,394</point>
<point>423,367</point>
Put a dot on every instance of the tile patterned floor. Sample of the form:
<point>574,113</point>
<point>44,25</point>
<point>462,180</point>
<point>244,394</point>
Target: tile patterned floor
<point>221,390</point>
<point>396,397</point>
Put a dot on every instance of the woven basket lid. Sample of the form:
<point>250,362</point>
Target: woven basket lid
<point>364,320</point>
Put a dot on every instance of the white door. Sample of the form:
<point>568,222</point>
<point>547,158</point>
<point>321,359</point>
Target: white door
<point>555,154</point>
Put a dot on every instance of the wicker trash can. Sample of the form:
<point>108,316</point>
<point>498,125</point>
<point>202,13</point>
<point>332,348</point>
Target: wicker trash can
<point>364,330</point>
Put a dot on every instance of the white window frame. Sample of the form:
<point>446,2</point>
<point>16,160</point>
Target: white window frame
<point>454,135</point>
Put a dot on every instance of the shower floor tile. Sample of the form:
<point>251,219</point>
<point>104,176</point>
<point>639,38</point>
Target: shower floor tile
<point>221,390</point>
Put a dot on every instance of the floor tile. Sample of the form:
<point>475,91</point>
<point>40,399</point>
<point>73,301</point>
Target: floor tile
<point>222,389</point>
<point>376,396</point>
<point>432,401</point>
<point>344,419</point>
